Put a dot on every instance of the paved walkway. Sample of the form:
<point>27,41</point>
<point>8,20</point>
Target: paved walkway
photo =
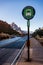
<point>36,53</point>
<point>36,49</point>
<point>27,63</point>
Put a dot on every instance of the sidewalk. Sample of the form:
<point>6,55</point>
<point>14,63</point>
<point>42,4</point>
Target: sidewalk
<point>36,53</point>
<point>27,63</point>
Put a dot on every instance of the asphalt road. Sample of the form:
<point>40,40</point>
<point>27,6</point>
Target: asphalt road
<point>16,44</point>
<point>9,52</point>
<point>8,41</point>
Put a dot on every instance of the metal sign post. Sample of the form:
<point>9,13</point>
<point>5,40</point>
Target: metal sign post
<point>28,40</point>
<point>28,13</point>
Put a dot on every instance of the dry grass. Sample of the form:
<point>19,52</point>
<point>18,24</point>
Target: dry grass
<point>4,36</point>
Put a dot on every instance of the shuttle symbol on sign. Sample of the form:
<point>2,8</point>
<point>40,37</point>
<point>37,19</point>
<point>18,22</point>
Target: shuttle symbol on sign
<point>28,12</point>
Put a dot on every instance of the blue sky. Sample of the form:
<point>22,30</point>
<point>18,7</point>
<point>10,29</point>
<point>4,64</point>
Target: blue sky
<point>11,11</point>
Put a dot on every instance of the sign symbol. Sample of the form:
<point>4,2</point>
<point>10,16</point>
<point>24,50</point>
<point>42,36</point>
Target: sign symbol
<point>28,12</point>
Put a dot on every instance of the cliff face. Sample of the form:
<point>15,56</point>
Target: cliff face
<point>6,28</point>
<point>15,27</point>
<point>10,29</point>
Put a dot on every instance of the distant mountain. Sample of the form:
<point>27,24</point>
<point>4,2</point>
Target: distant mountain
<point>24,32</point>
<point>11,28</point>
<point>15,27</point>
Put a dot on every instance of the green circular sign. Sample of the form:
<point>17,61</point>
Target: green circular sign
<point>28,12</point>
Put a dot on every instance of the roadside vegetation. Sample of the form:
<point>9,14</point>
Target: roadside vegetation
<point>6,31</point>
<point>38,34</point>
